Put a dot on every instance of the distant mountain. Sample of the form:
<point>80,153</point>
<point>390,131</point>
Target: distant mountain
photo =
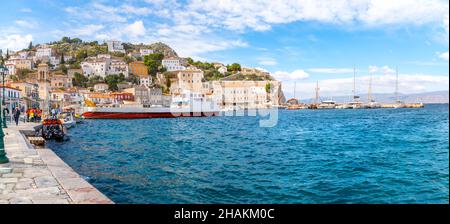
<point>428,97</point>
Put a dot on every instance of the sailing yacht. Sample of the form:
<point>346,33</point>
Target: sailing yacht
<point>372,104</point>
<point>324,104</point>
<point>355,104</point>
<point>398,102</point>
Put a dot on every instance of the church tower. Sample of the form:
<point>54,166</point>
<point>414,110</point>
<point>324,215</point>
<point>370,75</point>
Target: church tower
<point>42,72</point>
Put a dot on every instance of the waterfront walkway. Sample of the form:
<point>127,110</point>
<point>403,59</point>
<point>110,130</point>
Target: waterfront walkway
<point>39,176</point>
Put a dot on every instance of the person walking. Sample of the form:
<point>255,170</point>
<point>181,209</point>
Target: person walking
<point>16,115</point>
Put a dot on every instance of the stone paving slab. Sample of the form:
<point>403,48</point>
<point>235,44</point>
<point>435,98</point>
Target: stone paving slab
<point>39,176</point>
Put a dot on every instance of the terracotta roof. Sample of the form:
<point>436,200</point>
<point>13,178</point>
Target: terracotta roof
<point>10,87</point>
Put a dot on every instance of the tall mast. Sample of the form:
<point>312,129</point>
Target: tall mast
<point>369,95</point>
<point>316,100</point>
<point>295,89</point>
<point>396,85</point>
<point>354,83</point>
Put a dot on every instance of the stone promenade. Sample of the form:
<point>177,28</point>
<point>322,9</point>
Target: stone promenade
<point>39,176</point>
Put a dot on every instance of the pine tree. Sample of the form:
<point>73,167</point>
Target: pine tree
<point>30,47</point>
<point>62,59</point>
<point>7,54</point>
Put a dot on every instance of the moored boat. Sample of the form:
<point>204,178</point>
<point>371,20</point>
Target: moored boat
<point>327,104</point>
<point>186,105</point>
<point>141,113</point>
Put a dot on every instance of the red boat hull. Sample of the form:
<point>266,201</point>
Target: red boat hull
<point>113,115</point>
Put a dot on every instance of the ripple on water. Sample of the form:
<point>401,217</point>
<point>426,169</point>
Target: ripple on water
<point>342,156</point>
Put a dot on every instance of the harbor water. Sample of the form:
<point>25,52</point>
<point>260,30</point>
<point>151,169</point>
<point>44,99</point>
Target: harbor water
<point>310,156</point>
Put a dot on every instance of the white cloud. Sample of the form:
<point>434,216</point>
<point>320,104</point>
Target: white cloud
<point>129,9</point>
<point>15,42</point>
<point>135,29</point>
<point>26,10</point>
<point>267,61</point>
<point>88,30</point>
<point>291,76</point>
<point>26,24</point>
<point>260,15</point>
<point>444,56</point>
<point>331,70</point>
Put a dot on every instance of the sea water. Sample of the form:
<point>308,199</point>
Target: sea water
<point>310,156</point>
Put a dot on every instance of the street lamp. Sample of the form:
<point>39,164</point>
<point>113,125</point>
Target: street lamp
<point>3,100</point>
<point>3,158</point>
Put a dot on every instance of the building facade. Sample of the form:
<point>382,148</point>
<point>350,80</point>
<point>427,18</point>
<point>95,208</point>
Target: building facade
<point>190,80</point>
<point>246,94</point>
<point>172,64</point>
<point>115,46</point>
<point>138,68</point>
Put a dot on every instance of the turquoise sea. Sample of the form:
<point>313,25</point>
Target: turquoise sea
<point>326,156</point>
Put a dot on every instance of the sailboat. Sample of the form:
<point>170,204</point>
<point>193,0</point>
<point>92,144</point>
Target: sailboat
<point>293,102</point>
<point>398,102</point>
<point>325,104</point>
<point>372,104</point>
<point>355,104</point>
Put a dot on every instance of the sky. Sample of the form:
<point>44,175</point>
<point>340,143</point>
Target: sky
<point>300,42</point>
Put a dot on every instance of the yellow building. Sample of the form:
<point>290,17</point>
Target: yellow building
<point>138,68</point>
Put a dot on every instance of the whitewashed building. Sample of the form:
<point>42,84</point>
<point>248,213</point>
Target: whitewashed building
<point>12,97</point>
<point>115,46</point>
<point>44,51</point>
<point>172,64</point>
<point>145,52</point>
<point>95,67</point>
<point>146,81</point>
<point>117,67</point>
<point>104,65</point>
<point>101,87</point>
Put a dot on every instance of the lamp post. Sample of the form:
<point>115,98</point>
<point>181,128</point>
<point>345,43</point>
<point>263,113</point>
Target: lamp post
<point>3,100</point>
<point>3,158</point>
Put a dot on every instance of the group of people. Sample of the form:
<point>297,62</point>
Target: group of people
<point>34,115</point>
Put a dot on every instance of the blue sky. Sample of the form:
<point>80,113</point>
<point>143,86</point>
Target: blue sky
<point>299,42</point>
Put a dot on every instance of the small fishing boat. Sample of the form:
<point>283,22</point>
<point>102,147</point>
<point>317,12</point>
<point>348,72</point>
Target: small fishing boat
<point>67,120</point>
<point>51,129</point>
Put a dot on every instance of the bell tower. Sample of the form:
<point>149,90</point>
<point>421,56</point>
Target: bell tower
<point>42,72</point>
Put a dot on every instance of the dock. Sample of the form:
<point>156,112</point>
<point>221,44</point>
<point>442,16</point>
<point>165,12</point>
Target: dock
<point>39,176</point>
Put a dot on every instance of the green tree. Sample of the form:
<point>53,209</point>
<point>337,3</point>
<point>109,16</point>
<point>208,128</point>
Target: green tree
<point>63,68</point>
<point>133,79</point>
<point>14,78</point>
<point>30,46</point>
<point>113,80</point>
<point>76,41</point>
<point>65,40</point>
<point>62,61</point>
<point>235,67</point>
<point>268,87</point>
<point>190,61</point>
<point>168,84</point>
<point>95,80</point>
<point>79,80</point>
<point>153,62</point>
<point>23,73</point>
